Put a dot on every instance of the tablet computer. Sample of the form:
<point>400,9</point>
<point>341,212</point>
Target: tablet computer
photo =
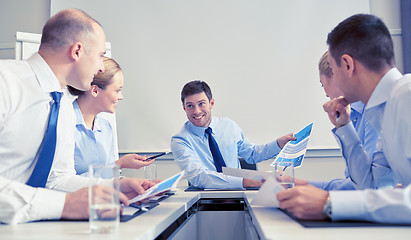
<point>164,186</point>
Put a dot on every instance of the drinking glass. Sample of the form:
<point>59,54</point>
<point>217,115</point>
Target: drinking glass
<point>284,173</point>
<point>104,202</point>
<point>150,171</point>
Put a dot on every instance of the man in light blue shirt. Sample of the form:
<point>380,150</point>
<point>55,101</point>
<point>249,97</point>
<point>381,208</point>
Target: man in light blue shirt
<point>362,59</point>
<point>364,167</point>
<point>191,149</point>
<point>359,166</point>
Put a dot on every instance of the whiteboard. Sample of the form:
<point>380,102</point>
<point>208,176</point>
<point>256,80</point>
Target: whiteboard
<point>28,43</point>
<point>259,57</point>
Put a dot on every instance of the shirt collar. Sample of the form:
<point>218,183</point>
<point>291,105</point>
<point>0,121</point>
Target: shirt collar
<point>80,119</point>
<point>97,123</point>
<point>382,91</point>
<point>200,131</point>
<point>79,116</point>
<point>45,76</point>
<point>358,107</point>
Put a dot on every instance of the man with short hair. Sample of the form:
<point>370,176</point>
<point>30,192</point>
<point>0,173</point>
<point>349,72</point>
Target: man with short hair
<point>366,167</point>
<point>362,60</point>
<point>193,147</point>
<point>71,53</point>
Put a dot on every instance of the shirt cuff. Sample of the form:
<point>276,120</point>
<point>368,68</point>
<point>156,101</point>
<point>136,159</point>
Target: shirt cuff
<point>346,134</point>
<point>48,204</point>
<point>236,182</point>
<point>347,205</point>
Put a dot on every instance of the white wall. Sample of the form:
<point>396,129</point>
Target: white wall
<point>389,12</point>
<point>18,15</point>
<point>260,59</point>
<point>23,16</point>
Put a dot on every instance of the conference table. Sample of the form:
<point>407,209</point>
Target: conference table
<point>208,215</point>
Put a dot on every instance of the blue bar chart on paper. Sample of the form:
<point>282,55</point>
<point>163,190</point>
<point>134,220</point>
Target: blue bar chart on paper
<point>296,149</point>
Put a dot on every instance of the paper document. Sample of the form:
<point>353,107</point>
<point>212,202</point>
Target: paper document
<point>247,173</point>
<point>267,195</point>
<point>166,185</point>
<point>295,150</point>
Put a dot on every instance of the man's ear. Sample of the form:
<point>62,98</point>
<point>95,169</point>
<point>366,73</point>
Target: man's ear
<point>94,90</point>
<point>347,63</point>
<point>212,102</point>
<point>76,51</point>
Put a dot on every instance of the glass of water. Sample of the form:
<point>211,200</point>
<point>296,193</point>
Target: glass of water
<point>150,171</point>
<point>104,201</point>
<point>284,173</point>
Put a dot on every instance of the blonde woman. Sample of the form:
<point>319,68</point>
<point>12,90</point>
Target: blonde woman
<point>94,135</point>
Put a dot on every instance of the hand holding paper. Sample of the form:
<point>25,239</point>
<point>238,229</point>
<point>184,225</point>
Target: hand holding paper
<point>267,195</point>
<point>166,185</point>
<point>295,150</point>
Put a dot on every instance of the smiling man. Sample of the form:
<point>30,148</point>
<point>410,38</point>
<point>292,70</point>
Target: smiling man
<point>205,144</point>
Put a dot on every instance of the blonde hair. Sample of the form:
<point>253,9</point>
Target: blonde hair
<point>324,67</point>
<point>103,79</point>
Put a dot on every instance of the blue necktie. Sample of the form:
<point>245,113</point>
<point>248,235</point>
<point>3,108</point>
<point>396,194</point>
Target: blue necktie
<point>215,151</point>
<point>41,171</point>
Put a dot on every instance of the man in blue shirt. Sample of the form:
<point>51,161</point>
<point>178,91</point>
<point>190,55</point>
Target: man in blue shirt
<point>191,148</point>
<point>362,59</point>
<point>364,167</point>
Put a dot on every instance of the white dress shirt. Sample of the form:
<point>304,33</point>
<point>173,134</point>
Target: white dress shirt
<point>24,110</point>
<point>389,112</point>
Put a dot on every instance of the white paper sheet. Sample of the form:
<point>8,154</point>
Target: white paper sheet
<point>267,195</point>
<point>247,173</point>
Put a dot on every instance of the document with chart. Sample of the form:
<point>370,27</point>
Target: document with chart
<point>295,150</point>
<point>164,186</point>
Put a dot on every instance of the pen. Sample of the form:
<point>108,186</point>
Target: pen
<point>156,156</point>
<point>338,116</point>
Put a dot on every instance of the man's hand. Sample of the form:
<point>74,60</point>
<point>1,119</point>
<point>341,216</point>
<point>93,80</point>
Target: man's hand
<point>247,183</point>
<point>299,182</point>
<point>132,187</point>
<point>76,205</point>
<point>304,202</point>
<point>133,161</point>
<point>338,110</point>
<point>285,139</point>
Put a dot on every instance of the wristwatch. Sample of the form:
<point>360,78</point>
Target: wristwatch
<point>327,210</point>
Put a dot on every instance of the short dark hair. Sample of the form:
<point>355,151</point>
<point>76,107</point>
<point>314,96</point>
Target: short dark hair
<point>195,87</point>
<point>365,38</point>
<point>67,27</point>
